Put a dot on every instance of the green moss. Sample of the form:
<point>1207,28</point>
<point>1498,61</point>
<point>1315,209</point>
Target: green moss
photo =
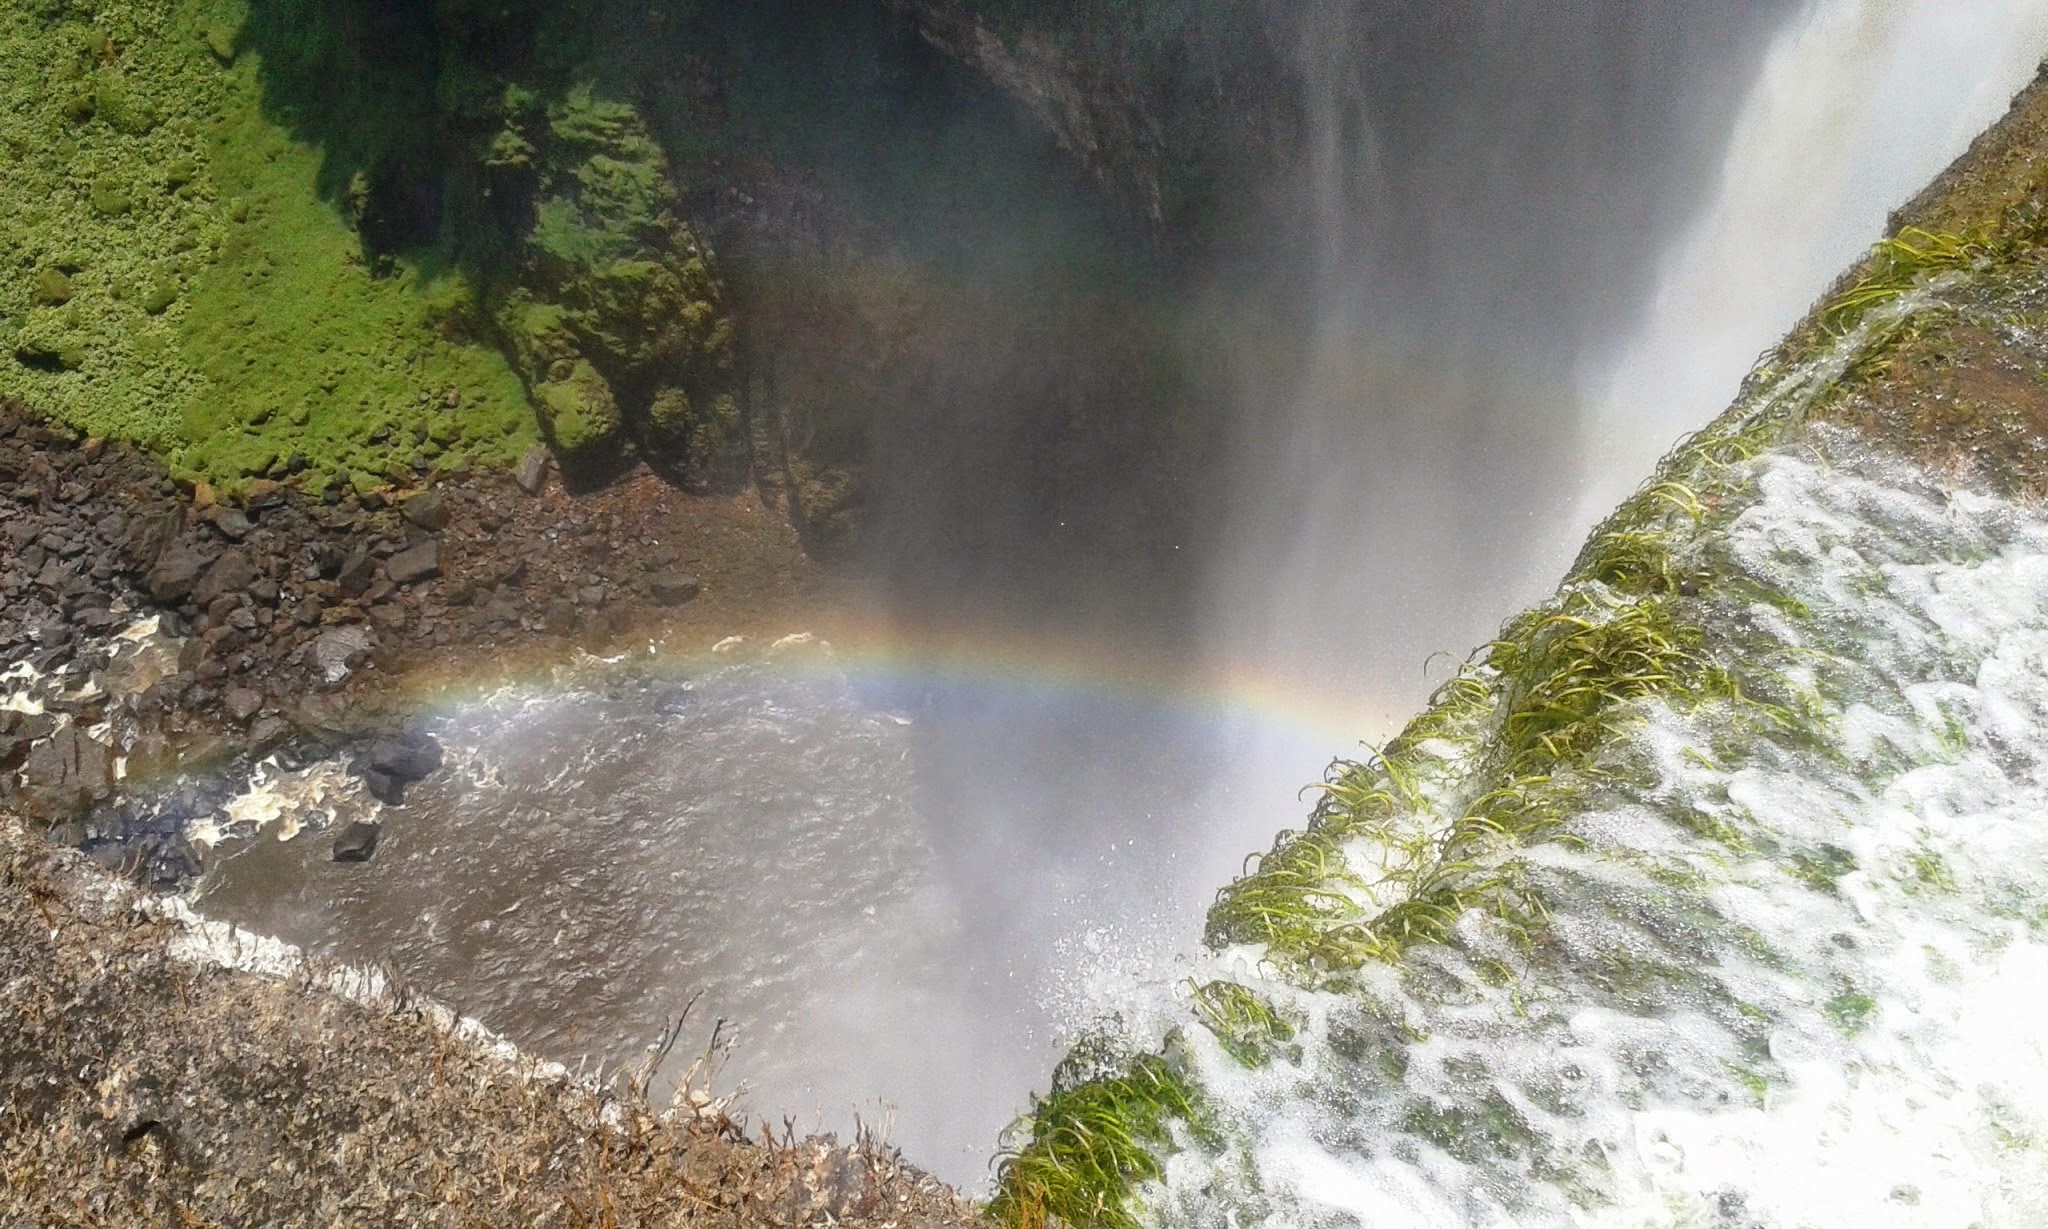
<point>178,181</point>
<point>1246,1025</point>
<point>52,288</point>
<point>1821,868</point>
<point>1851,1011</point>
<point>577,411</point>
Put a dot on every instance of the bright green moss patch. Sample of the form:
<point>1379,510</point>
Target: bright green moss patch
<point>1246,1025</point>
<point>307,349</point>
<point>258,243</point>
<point>175,279</point>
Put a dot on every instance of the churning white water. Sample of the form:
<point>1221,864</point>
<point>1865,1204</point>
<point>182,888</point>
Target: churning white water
<point>1793,978</point>
<point>1404,528</point>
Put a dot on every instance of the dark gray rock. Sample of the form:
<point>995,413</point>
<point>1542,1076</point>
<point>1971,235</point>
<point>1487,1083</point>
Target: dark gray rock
<point>532,470</point>
<point>415,563</point>
<point>232,523</point>
<point>177,571</point>
<point>356,574</point>
<point>230,576</point>
<point>267,733</point>
<point>384,787</point>
<point>673,588</point>
<point>427,509</point>
<point>407,758</point>
<point>67,774</point>
<point>243,702</point>
<point>356,842</point>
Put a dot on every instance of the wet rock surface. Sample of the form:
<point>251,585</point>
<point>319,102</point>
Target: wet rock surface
<point>357,842</point>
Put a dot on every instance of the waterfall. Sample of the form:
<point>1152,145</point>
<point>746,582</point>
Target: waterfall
<point>1858,106</point>
<point>1747,970</point>
<point>1496,332</point>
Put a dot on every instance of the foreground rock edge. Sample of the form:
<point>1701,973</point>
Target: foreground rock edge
<point>160,1066</point>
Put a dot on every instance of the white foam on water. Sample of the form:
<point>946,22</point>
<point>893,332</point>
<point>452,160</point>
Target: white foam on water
<point>289,801</point>
<point>1794,976</point>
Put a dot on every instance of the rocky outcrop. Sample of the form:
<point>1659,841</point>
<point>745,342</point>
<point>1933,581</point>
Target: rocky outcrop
<point>166,631</point>
<point>614,317</point>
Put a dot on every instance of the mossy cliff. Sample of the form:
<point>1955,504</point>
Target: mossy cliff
<point>347,240</point>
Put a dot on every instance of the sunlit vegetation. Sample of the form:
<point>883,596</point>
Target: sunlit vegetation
<point>1091,1144</point>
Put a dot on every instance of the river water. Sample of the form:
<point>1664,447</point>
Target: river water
<point>908,881</point>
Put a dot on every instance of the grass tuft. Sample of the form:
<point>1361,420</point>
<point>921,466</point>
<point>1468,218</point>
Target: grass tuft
<point>1245,1024</point>
<point>1091,1145</point>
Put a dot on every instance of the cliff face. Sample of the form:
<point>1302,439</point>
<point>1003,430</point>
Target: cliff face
<point>1167,106</point>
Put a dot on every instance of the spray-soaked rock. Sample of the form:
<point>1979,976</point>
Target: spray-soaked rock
<point>357,842</point>
<point>339,650</point>
<point>673,588</point>
<point>65,775</point>
<point>391,764</point>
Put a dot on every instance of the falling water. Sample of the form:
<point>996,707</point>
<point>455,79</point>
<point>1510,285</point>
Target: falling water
<point>1858,106</point>
<point>1491,362</point>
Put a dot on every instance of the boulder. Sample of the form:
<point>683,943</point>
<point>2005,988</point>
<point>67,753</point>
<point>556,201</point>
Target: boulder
<point>243,702</point>
<point>231,523</point>
<point>356,842</point>
<point>339,650</point>
<point>391,764</point>
<point>427,509</point>
<point>532,471</point>
<point>356,574</point>
<point>673,588</point>
<point>176,572</point>
<point>67,774</point>
<point>415,563</point>
<point>231,575</point>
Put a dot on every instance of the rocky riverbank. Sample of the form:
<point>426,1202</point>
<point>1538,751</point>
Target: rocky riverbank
<point>153,630</point>
<point>157,640</point>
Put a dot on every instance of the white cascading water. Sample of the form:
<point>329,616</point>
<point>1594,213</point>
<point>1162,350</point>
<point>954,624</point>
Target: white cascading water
<point>1858,106</point>
<point>1888,949</point>
<point>1365,588</point>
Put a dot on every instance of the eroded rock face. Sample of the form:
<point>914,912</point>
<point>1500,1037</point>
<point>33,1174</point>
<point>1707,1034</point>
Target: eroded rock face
<point>65,775</point>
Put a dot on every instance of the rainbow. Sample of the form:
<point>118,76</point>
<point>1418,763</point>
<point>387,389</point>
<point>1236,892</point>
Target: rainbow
<point>879,654</point>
